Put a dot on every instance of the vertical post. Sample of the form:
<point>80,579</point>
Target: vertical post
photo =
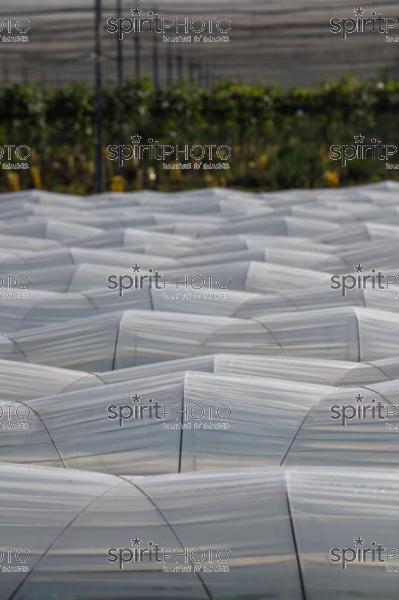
<point>155,58</point>
<point>200,78</point>
<point>179,66</point>
<point>207,78</point>
<point>99,175</point>
<point>119,44</point>
<point>136,42</point>
<point>169,66</point>
<point>24,73</point>
<point>191,71</point>
<point>137,56</point>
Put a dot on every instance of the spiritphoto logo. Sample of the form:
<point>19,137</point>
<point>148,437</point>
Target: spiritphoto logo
<point>14,157</point>
<point>363,410</point>
<point>362,23</point>
<point>200,559</point>
<point>14,286</point>
<point>15,560</point>
<point>14,30</point>
<point>362,150</point>
<point>154,279</point>
<point>190,416</point>
<point>362,552</point>
<point>184,157</point>
<point>184,29</point>
<point>360,281</point>
<point>14,417</point>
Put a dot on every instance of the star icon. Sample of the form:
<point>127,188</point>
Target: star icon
<point>359,398</point>
<point>359,138</point>
<point>136,11</point>
<point>150,140</point>
<point>375,141</point>
<point>359,541</point>
<point>359,268</point>
<point>136,138</point>
<point>135,398</point>
<point>359,11</point>
<point>135,541</point>
<point>136,268</point>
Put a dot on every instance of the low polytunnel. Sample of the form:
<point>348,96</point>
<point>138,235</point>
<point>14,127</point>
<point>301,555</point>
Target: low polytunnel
<point>193,421</point>
<point>199,535</point>
<point>44,306</point>
<point>20,380</point>
<point>136,337</point>
<point>191,441</point>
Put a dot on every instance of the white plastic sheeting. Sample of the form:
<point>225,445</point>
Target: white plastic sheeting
<point>261,418</point>
<point>48,304</point>
<point>118,340</point>
<point>22,381</point>
<point>272,530</point>
<point>204,421</point>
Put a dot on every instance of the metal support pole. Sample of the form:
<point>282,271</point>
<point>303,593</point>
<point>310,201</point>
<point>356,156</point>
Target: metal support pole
<point>155,58</point>
<point>137,56</point>
<point>169,66</point>
<point>179,66</point>
<point>191,71</point>
<point>200,77</point>
<point>137,51</point>
<point>99,175</point>
<point>119,44</point>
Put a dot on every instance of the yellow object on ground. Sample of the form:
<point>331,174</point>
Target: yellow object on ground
<point>36,178</point>
<point>13,182</point>
<point>118,183</point>
<point>331,179</point>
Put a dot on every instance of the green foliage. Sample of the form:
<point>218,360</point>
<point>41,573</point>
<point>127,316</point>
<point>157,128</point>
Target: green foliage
<point>280,138</point>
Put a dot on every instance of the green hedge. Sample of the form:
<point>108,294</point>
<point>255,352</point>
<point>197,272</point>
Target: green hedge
<point>279,138</point>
